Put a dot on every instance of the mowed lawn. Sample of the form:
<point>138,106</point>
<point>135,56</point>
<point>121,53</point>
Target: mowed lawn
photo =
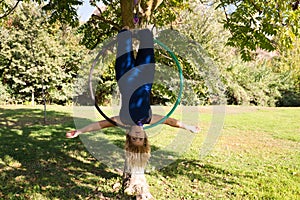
<point>256,156</point>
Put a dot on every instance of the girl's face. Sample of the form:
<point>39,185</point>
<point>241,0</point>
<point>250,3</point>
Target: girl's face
<point>137,135</point>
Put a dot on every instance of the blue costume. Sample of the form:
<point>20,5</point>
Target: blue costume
<point>135,76</point>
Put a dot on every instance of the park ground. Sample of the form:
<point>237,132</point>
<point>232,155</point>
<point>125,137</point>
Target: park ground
<point>256,156</point>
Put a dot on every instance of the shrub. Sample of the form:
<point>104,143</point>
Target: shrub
<point>252,84</point>
<point>4,94</point>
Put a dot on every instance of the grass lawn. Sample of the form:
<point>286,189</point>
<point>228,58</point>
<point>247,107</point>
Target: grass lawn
<point>257,156</point>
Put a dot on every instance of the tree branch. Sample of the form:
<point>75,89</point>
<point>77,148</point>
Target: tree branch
<point>255,6</point>
<point>13,8</point>
<point>101,18</point>
<point>227,18</point>
<point>295,5</point>
<point>99,9</point>
<point>127,13</point>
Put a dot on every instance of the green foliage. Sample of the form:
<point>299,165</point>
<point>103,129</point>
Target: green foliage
<point>107,84</point>
<point>193,63</point>
<point>4,94</point>
<point>166,82</point>
<point>101,27</point>
<point>64,12</point>
<point>106,24</point>
<point>202,25</point>
<point>7,7</point>
<point>249,83</point>
<point>253,24</point>
<point>288,66</point>
<point>203,51</point>
<point>258,82</point>
<point>167,12</point>
<point>36,57</point>
<point>259,24</point>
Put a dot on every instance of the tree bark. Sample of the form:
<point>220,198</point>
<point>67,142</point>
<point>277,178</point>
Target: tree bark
<point>127,13</point>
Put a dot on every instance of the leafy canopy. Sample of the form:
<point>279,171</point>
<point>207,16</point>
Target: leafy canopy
<point>269,25</point>
<point>253,24</point>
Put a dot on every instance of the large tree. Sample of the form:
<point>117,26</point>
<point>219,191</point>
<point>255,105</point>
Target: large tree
<point>252,25</point>
<point>104,23</point>
<point>108,19</point>
<point>36,58</point>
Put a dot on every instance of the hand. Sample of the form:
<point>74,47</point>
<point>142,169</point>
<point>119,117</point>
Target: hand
<point>72,134</point>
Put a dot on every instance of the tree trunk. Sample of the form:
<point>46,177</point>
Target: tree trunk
<point>127,13</point>
<point>32,97</point>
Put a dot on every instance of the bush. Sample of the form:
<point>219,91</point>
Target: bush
<point>252,84</point>
<point>4,94</point>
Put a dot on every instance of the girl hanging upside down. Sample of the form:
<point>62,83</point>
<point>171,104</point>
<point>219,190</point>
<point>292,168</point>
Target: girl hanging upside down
<point>135,77</point>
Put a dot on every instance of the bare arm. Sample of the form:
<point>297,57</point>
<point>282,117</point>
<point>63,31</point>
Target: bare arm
<point>175,123</point>
<point>92,127</point>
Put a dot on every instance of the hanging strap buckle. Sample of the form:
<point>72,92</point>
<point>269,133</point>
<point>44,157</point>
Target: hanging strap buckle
<point>136,19</point>
<point>136,12</point>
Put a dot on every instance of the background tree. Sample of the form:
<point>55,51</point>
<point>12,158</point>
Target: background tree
<point>268,25</point>
<point>271,25</point>
<point>36,57</point>
<point>256,82</point>
<point>288,67</point>
<point>251,28</point>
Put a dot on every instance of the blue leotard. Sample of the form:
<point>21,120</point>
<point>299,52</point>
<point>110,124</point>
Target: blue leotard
<point>135,77</point>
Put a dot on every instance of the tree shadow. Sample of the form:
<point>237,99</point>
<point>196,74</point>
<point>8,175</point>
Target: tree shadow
<point>110,150</point>
<point>37,159</point>
<point>195,170</point>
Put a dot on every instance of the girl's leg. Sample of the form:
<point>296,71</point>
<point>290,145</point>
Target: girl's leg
<point>146,49</point>
<point>99,125</point>
<point>93,127</point>
<point>125,57</point>
<point>124,63</point>
<point>143,75</point>
<point>175,123</point>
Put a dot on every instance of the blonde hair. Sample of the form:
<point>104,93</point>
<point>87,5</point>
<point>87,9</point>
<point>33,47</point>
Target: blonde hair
<point>137,156</point>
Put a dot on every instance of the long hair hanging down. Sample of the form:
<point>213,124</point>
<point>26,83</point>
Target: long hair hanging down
<point>137,156</point>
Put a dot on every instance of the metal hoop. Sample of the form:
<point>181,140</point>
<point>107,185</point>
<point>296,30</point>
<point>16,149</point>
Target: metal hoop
<point>101,53</point>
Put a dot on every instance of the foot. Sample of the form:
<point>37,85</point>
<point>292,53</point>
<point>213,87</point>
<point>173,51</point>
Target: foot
<point>193,129</point>
<point>125,28</point>
<point>72,134</point>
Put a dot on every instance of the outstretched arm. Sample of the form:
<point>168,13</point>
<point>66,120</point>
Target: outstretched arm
<point>92,127</point>
<point>175,123</point>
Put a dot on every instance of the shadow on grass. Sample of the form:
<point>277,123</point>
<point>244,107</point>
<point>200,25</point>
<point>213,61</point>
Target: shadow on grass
<point>110,150</point>
<point>195,170</point>
<point>37,161</point>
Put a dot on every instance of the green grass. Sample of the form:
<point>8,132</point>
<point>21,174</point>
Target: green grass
<point>257,156</point>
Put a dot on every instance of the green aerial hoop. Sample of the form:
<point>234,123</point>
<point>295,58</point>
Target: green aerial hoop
<point>180,85</point>
<point>101,53</point>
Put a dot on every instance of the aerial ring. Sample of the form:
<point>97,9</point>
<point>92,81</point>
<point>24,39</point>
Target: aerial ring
<point>102,52</point>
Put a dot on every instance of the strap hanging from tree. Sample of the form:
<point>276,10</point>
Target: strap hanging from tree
<point>135,12</point>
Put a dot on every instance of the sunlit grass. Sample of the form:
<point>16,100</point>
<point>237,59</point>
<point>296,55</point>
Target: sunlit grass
<point>257,156</point>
